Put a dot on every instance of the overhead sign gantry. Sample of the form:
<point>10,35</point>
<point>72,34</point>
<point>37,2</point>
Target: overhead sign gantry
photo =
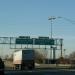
<point>27,40</point>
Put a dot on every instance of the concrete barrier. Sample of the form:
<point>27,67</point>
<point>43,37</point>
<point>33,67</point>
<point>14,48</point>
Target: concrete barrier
<point>54,66</point>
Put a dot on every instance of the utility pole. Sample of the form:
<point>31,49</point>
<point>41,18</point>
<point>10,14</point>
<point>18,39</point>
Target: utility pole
<point>61,43</point>
<point>64,52</point>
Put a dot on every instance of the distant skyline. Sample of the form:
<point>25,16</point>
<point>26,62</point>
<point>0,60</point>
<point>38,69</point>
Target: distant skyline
<point>30,18</point>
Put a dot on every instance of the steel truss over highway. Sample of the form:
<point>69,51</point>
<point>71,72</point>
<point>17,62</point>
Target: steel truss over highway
<point>22,42</point>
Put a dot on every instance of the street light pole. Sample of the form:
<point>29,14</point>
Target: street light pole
<point>51,19</point>
<point>51,29</point>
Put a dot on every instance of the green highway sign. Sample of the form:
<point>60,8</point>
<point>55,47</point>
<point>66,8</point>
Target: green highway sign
<point>44,42</point>
<point>35,41</point>
<point>24,41</point>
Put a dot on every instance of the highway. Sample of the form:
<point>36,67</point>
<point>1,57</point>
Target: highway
<point>41,72</point>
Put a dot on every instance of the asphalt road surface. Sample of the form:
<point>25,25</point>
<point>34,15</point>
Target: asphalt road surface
<point>41,72</point>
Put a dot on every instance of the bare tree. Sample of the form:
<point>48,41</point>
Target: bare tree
<point>72,55</point>
<point>39,57</point>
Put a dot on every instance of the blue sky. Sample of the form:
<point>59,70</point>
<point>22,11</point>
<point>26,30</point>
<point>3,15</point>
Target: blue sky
<point>30,17</point>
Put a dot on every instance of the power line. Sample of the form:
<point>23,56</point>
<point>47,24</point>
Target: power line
<point>67,19</point>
